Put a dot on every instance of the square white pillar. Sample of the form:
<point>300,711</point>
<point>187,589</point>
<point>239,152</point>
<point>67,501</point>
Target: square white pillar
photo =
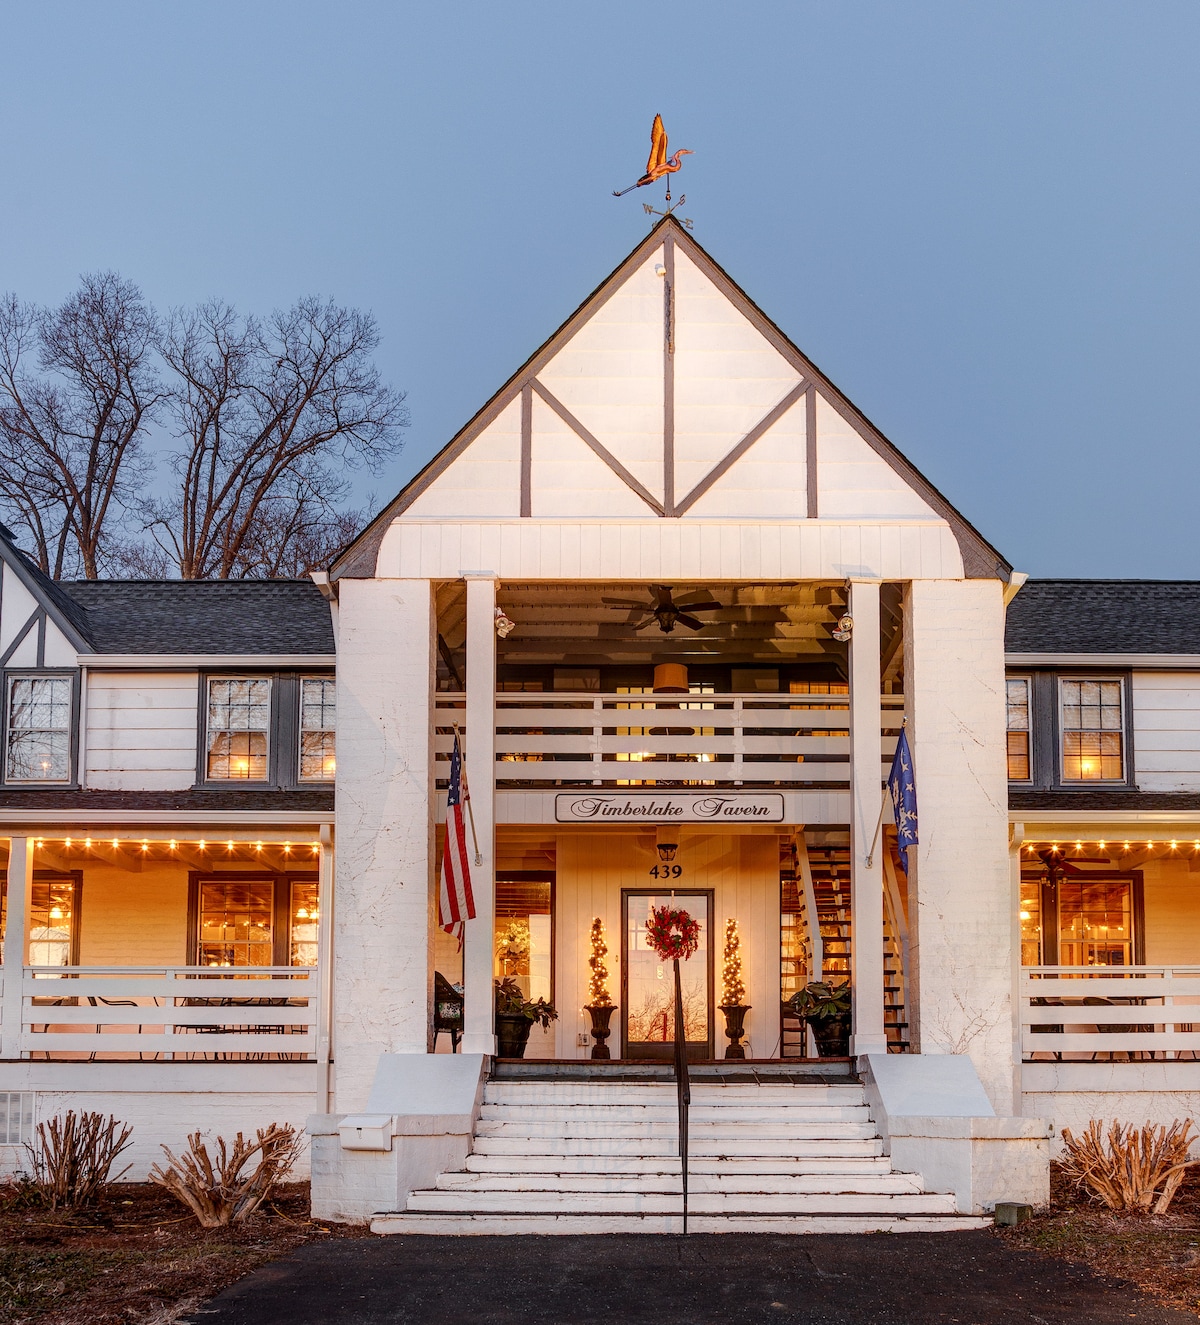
<point>479,1036</point>
<point>382,915</point>
<point>960,885</point>
<point>20,895</point>
<point>866,797</point>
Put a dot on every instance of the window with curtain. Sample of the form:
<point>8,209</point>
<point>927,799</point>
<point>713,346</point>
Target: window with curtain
<point>1093,727</point>
<point>1020,768</point>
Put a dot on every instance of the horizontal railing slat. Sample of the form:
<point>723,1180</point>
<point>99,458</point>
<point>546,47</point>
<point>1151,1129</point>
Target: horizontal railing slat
<point>179,1045</point>
<point>1077,1042</point>
<point>149,1015</point>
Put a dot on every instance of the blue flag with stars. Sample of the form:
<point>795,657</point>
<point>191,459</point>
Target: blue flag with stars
<point>902,788</point>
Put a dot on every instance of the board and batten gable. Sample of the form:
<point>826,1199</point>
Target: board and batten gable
<point>670,430</point>
<point>29,634</point>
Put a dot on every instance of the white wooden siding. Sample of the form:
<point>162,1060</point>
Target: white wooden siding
<point>141,731</point>
<point>485,480</point>
<point>853,480</point>
<point>1166,730</point>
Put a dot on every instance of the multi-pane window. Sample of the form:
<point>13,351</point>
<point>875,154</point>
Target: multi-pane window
<point>239,721</point>
<point>1092,731</point>
<point>38,744</point>
<point>237,922</point>
<point>1017,690</point>
<point>1031,922</point>
<point>318,722</point>
<point>1095,923</point>
<point>304,920</point>
<point>53,922</point>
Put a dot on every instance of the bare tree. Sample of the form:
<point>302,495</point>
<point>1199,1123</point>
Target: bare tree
<point>78,388</point>
<point>269,418</point>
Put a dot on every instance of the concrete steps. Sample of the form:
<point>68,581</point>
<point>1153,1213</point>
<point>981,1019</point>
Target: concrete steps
<point>572,1156</point>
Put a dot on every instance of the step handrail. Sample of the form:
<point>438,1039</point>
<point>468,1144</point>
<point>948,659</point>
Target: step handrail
<point>683,1089</point>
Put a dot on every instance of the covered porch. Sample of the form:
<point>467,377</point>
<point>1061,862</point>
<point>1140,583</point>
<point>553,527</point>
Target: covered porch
<point>165,943</point>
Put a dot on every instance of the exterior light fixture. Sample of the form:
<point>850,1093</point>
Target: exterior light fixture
<point>667,844</point>
<point>505,625</point>
<point>844,628</point>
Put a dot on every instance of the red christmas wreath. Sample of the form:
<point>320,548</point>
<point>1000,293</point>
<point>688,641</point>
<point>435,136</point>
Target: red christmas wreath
<point>672,933</point>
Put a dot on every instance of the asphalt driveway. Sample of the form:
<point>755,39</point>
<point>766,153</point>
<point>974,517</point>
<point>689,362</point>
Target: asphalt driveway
<point>969,1278</point>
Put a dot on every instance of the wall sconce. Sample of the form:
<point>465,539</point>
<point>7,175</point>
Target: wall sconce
<point>504,624</point>
<point>667,844</point>
<point>844,628</point>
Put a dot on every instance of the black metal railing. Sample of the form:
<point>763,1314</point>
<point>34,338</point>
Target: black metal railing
<point>683,1089</point>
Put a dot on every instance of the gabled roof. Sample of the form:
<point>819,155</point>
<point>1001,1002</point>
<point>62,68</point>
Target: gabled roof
<point>194,617</point>
<point>980,559</point>
<point>1105,617</point>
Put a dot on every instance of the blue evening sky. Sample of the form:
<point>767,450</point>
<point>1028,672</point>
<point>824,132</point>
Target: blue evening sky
<point>980,219</point>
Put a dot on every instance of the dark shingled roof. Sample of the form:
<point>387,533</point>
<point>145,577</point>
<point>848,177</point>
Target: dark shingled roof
<point>306,803</point>
<point>203,616</point>
<point>1105,616</point>
<point>1103,800</point>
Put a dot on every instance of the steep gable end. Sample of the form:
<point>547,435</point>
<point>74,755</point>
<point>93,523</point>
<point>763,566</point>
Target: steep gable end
<point>668,394</point>
<point>39,624</point>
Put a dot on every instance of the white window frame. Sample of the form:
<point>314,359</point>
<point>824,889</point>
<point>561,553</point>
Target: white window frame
<point>209,730</point>
<point>301,729</point>
<point>11,679</point>
<point>1122,731</point>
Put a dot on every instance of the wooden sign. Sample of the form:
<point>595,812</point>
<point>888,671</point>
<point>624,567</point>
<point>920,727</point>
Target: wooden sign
<point>656,807</point>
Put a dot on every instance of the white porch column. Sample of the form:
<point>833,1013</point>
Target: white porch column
<point>866,791</point>
<point>382,920</point>
<point>20,893</point>
<point>479,1036</point>
<point>324,1009</point>
<point>960,888</point>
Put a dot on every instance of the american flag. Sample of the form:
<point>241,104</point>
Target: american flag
<point>456,902</point>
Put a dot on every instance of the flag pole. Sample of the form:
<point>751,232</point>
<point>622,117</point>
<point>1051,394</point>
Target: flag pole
<point>467,797</point>
<point>882,807</point>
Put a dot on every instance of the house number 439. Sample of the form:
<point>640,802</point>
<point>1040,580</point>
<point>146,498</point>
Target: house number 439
<point>665,871</point>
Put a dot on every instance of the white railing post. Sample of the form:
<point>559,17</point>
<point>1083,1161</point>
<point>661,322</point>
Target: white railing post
<point>597,745</point>
<point>20,895</point>
<point>322,1005</point>
<point>739,740</point>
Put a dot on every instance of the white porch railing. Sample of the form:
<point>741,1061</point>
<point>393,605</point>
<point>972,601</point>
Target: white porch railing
<point>176,1012</point>
<point>1109,1011</point>
<point>572,739</point>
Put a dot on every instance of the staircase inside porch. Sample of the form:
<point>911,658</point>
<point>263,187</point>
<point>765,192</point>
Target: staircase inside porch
<point>772,1150</point>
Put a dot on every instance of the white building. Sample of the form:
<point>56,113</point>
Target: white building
<point>676,510</point>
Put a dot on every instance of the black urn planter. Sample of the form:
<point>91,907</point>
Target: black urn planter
<point>832,1035</point>
<point>735,1028</point>
<point>512,1034</point>
<point>601,1016</point>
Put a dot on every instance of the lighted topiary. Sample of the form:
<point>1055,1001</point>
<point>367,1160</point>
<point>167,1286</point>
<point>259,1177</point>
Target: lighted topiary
<point>598,996</point>
<point>734,991</point>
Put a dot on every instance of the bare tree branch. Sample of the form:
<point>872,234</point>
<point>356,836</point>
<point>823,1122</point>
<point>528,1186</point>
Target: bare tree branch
<point>71,434</point>
<point>269,417</point>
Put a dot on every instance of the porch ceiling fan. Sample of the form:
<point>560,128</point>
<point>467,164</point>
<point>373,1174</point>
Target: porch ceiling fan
<point>666,611</point>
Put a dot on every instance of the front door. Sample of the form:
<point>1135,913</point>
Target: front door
<point>648,984</point>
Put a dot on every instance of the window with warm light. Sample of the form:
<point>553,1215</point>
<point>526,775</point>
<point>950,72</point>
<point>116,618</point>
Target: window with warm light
<point>1019,729</point>
<point>1095,923</point>
<point>303,927</point>
<point>318,724</point>
<point>38,729</point>
<point>54,922</point>
<point>1093,726</point>
<point>239,723</point>
<point>1031,922</point>
<point>236,923</point>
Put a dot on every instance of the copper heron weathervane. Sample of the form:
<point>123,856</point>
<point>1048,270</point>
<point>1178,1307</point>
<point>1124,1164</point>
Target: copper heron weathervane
<point>658,165</point>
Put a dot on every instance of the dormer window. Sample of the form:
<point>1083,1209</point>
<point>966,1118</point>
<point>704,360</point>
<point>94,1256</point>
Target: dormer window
<point>239,726</point>
<point>37,738</point>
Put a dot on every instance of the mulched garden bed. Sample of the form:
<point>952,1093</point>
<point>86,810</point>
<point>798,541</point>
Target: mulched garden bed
<point>138,1259</point>
<point>1159,1253</point>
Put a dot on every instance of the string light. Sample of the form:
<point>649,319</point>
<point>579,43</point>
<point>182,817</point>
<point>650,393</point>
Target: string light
<point>173,846</point>
<point>230,844</point>
<point>87,842</point>
<point>116,845</point>
<point>287,848</point>
<point>733,989</point>
<point>598,995</point>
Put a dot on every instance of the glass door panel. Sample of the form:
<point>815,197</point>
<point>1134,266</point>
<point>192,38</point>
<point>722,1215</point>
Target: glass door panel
<point>648,984</point>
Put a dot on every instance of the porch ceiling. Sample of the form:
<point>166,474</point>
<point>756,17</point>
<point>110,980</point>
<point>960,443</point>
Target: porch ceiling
<point>571,624</point>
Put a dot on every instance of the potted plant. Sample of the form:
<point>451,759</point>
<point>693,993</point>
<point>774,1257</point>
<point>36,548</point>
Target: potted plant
<point>515,1015</point>
<point>825,1007</point>
<point>733,992</point>
<point>599,1006</point>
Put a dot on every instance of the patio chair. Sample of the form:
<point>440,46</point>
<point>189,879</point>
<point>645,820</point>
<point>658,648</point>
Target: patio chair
<point>447,1011</point>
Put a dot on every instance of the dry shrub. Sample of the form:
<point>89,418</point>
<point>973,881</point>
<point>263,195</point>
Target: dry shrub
<point>224,1194</point>
<point>72,1162</point>
<point>1125,1169</point>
